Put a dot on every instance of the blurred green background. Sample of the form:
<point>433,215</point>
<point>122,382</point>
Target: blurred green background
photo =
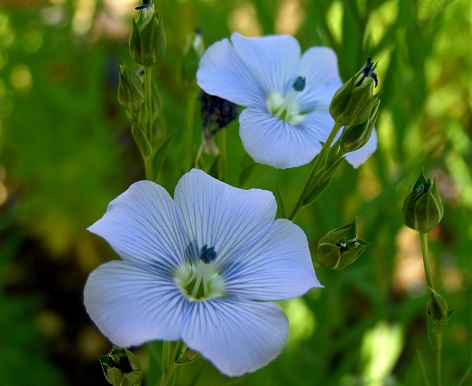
<point>66,151</point>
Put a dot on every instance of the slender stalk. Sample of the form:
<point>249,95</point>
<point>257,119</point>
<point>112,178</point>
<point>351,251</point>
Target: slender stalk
<point>438,349</point>
<point>466,376</point>
<point>424,251</point>
<point>187,149</point>
<point>171,365</point>
<point>223,155</point>
<point>148,100</point>
<point>314,170</point>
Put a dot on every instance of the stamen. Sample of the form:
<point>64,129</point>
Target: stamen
<point>284,111</point>
<point>207,255</point>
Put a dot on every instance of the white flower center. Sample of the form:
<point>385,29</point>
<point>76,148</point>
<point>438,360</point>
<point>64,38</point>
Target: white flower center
<point>286,107</point>
<point>201,280</point>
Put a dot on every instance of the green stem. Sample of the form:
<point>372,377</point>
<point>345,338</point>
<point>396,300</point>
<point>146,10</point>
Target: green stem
<point>438,349</point>
<point>466,376</point>
<point>188,135</point>
<point>148,100</point>
<point>424,251</point>
<point>223,155</point>
<point>314,170</point>
<point>171,365</point>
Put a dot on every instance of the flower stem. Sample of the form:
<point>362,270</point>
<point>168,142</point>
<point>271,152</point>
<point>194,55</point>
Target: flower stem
<point>148,100</point>
<point>424,251</point>
<point>429,282</point>
<point>149,129</point>
<point>188,135</point>
<point>171,366</point>
<point>314,170</point>
<point>223,155</point>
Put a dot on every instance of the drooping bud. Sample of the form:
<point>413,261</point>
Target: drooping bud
<point>340,247</point>
<point>438,312</point>
<point>422,208</point>
<point>216,114</point>
<point>355,137</point>
<point>147,41</point>
<point>121,367</point>
<point>130,90</point>
<point>354,102</point>
<point>193,51</point>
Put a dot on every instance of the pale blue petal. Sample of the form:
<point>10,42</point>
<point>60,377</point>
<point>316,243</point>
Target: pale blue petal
<point>271,141</point>
<point>222,73</point>
<point>358,157</point>
<point>320,67</point>
<point>132,305</point>
<point>278,267</point>
<point>141,225</point>
<point>272,60</point>
<point>220,216</point>
<point>236,336</point>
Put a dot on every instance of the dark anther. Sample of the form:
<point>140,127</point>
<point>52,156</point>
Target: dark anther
<point>207,255</point>
<point>145,4</point>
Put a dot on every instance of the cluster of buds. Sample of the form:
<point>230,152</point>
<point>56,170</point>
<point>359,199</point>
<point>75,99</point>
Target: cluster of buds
<point>340,247</point>
<point>355,107</point>
<point>147,41</point>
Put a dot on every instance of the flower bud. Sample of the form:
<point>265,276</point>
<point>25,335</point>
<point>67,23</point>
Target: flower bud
<point>438,312</point>
<point>355,137</point>
<point>340,247</point>
<point>121,367</point>
<point>354,102</point>
<point>130,90</point>
<point>422,208</point>
<point>147,42</point>
<point>193,51</point>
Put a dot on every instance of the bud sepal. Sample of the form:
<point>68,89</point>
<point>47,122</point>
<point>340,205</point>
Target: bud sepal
<point>121,367</point>
<point>130,90</point>
<point>340,247</point>
<point>422,208</point>
<point>437,310</point>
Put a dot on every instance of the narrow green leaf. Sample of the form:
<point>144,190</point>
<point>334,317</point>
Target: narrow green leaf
<point>141,141</point>
<point>160,155</point>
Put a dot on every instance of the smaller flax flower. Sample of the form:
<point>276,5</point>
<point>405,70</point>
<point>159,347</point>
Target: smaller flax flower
<point>286,94</point>
<point>204,267</point>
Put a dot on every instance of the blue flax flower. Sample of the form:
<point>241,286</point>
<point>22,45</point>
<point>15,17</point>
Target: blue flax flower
<point>287,96</point>
<point>203,267</point>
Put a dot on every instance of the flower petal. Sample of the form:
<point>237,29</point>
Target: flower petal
<point>131,305</point>
<point>237,336</point>
<point>358,157</point>
<point>271,59</point>
<point>141,225</point>
<point>223,74</point>
<point>271,141</point>
<point>320,67</point>
<point>278,267</point>
<point>221,216</point>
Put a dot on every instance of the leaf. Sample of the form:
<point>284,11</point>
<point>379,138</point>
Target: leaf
<point>160,155</point>
<point>141,141</point>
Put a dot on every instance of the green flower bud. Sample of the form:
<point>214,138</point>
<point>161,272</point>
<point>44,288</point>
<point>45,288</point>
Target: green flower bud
<point>121,367</point>
<point>354,137</point>
<point>438,312</point>
<point>354,102</point>
<point>130,90</point>
<point>187,355</point>
<point>147,42</point>
<point>422,208</point>
<point>193,51</point>
<point>340,247</point>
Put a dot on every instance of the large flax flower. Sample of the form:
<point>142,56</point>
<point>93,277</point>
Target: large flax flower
<point>203,267</point>
<point>286,94</point>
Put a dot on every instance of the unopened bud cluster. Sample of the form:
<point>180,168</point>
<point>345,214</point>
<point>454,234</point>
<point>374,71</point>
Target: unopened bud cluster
<point>355,107</point>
